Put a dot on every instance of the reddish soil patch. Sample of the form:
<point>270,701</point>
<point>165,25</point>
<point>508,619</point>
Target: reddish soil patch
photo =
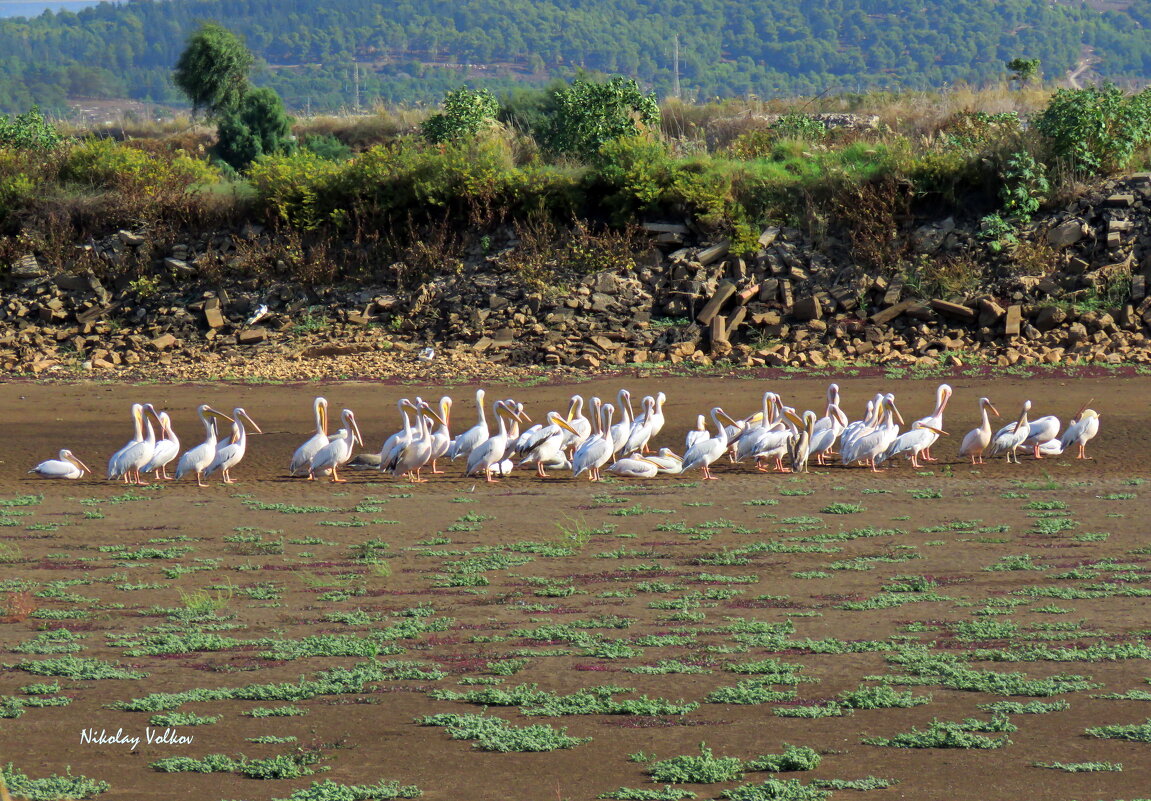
<point>644,588</point>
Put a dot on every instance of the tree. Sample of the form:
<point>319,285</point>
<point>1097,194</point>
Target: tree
<point>588,114</point>
<point>1023,70</point>
<point>213,73</point>
<point>259,126</point>
<point>213,70</point>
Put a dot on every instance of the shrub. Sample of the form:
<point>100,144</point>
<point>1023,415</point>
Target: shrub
<point>28,131</point>
<point>465,113</point>
<point>588,114</point>
<point>1098,129</point>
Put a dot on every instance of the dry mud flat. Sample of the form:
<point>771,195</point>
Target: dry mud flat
<point>708,612</point>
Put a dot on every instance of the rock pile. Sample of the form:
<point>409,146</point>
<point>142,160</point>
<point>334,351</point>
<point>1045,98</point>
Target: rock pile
<point>685,300</point>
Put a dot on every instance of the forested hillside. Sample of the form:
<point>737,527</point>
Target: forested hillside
<point>412,50</point>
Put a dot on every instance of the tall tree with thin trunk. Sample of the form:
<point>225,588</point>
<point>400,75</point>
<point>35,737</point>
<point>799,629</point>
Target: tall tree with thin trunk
<point>213,70</point>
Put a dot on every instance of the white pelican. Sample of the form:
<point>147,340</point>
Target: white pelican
<point>935,419</point>
<point>393,444</point>
<point>463,444</point>
<point>641,428</point>
<point>66,465</point>
<point>229,454</point>
<point>769,441</point>
<point>488,454</point>
<point>854,430</point>
<point>658,418</point>
<point>800,447</point>
<point>197,459</point>
<point>667,460</point>
<point>302,459</point>
<point>914,443</point>
<point>127,461</point>
<point>1008,439</point>
<point>598,448</point>
<point>442,436</point>
<point>338,450</point>
<point>545,445</point>
<point>1081,431</point>
<point>579,422</point>
<point>418,450</point>
<point>702,454</point>
<point>634,467</point>
<point>514,434</point>
<point>869,445</point>
<point>167,447</point>
<point>697,434</point>
<point>833,421</point>
<point>621,430</point>
<point>1041,430</point>
<point>823,439</point>
<point>977,439</point>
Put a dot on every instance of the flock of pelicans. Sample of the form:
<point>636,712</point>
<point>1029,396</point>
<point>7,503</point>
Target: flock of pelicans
<point>589,443</point>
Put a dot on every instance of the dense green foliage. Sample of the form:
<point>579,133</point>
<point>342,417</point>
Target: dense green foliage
<point>416,52</point>
<point>212,71</point>
<point>465,113</point>
<point>1096,130</point>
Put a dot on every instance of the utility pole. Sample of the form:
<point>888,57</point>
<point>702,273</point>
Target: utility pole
<point>356,82</point>
<point>675,46</point>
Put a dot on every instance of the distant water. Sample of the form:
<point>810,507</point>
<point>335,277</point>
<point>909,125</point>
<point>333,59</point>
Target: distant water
<point>29,8</point>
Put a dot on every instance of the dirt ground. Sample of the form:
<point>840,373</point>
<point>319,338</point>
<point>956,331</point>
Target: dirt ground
<point>694,569</point>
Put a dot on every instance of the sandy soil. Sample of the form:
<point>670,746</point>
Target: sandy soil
<point>945,523</point>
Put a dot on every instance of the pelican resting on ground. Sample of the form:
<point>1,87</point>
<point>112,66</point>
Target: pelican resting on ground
<point>1009,438</point>
<point>935,419</point>
<point>913,443</point>
<point>65,465</point>
<point>1080,432</point>
<point>487,455</point>
<point>302,459</point>
<point>799,449</point>
<point>167,446</point>
<point>127,461</point>
<point>338,450</point>
<point>229,453</point>
<point>704,453</point>
<point>196,460</point>
<point>597,449</point>
<point>634,466</point>
<point>465,443</point>
<point>977,439</point>
<point>1040,431</point>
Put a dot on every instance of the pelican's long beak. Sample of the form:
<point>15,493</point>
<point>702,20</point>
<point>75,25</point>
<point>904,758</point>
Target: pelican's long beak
<point>674,455</point>
<point>324,417</point>
<point>726,418</point>
<point>446,410</point>
<point>431,413</point>
<point>895,411</point>
<point>79,464</point>
<point>841,416</point>
<point>562,423</point>
<point>572,408</point>
<point>993,409</point>
<point>938,431</point>
<point>799,422</point>
<point>355,430</point>
<point>221,415</point>
<point>251,422</point>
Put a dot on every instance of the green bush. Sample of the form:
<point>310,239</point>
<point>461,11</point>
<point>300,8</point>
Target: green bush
<point>589,114</point>
<point>28,131</point>
<point>465,113</point>
<point>1098,129</point>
